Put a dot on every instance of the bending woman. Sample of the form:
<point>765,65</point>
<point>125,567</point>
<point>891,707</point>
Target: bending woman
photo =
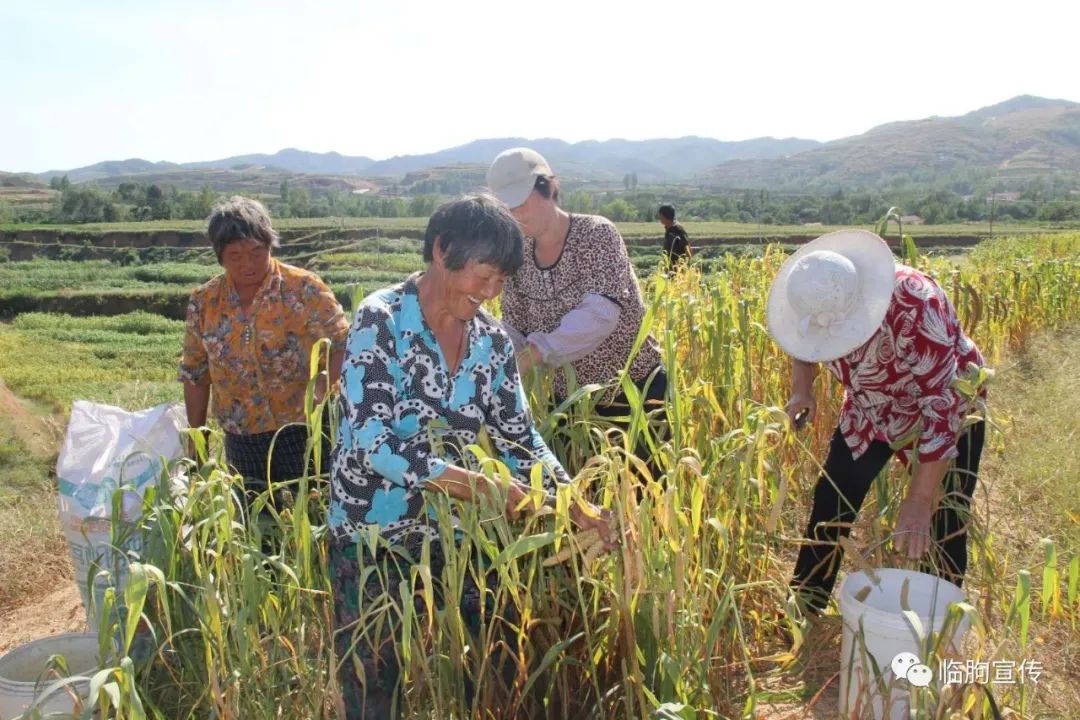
<point>575,300</point>
<point>426,371</point>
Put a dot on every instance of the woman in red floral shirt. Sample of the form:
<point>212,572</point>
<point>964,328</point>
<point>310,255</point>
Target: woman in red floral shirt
<point>892,338</point>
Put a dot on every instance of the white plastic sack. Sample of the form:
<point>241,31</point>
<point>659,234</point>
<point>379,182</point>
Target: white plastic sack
<point>105,448</point>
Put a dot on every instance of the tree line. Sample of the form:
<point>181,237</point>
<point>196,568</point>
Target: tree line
<point>1039,200</point>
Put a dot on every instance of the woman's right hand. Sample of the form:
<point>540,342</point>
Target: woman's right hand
<point>515,495</point>
<point>800,408</point>
<point>594,518</point>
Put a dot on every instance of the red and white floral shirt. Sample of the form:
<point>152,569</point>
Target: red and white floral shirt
<point>898,387</point>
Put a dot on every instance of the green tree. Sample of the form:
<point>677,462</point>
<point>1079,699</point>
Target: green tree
<point>618,210</point>
<point>422,205</point>
<point>131,193</point>
<point>578,201</point>
<point>159,203</point>
<point>85,204</point>
<point>1059,211</point>
<point>300,202</point>
<point>196,206</point>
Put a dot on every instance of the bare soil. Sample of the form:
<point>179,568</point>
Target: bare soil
<point>61,611</point>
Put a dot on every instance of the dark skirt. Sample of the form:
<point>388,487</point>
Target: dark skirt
<point>248,455</point>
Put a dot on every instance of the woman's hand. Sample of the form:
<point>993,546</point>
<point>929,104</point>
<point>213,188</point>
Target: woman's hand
<point>912,532</point>
<point>528,358</point>
<point>591,517</point>
<point>515,496</point>
<point>800,408</point>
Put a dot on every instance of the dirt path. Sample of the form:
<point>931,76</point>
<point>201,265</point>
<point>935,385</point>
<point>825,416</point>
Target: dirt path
<point>61,609</point>
<point>40,434</point>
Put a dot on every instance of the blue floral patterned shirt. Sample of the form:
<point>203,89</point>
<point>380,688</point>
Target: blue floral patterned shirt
<point>405,418</point>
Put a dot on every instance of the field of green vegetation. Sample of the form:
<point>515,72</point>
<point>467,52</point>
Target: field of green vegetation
<point>689,618</point>
<point>93,277</point>
<point>632,231</point>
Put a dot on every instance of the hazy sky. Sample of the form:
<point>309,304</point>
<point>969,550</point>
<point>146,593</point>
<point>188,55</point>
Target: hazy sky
<point>87,81</point>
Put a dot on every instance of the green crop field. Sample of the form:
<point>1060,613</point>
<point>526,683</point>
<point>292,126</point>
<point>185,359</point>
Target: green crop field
<point>689,618</point>
<point>630,230</point>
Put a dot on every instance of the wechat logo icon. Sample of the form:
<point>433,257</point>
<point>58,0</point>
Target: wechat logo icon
<point>907,667</point>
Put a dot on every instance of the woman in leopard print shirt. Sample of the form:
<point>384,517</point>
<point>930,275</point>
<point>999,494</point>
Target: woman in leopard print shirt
<point>576,299</point>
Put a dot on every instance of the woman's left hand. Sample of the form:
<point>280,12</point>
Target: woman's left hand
<point>595,518</point>
<point>912,532</point>
<point>528,358</point>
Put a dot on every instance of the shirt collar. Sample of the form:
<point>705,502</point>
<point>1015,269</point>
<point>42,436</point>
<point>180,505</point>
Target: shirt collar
<point>270,283</point>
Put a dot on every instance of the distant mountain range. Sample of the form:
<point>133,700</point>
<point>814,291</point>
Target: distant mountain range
<point>1019,138</point>
<point>652,160</point>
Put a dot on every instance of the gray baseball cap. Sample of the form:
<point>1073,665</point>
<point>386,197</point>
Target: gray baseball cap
<point>513,174</point>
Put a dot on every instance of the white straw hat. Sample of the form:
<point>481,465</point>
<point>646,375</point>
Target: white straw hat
<point>513,174</point>
<point>831,295</point>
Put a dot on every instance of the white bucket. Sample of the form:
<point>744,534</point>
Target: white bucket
<point>887,632</point>
<point>21,668</point>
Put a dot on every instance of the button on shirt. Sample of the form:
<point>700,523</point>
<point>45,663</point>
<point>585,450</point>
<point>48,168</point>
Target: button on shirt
<point>899,386</point>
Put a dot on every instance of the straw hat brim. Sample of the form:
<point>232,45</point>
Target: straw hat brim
<point>876,268</point>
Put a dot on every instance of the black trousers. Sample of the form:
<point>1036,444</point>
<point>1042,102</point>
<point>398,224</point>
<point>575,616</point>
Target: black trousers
<point>840,493</point>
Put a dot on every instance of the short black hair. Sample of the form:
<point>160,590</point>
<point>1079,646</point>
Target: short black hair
<point>667,212</point>
<point>475,227</point>
<point>547,186</point>
<point>239,218</point>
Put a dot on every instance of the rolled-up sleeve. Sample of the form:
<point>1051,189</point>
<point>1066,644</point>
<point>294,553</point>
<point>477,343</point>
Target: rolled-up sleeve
<point>194,362</point>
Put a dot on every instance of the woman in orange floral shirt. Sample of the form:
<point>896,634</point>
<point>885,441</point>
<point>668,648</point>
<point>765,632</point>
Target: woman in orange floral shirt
<point>247,346</point>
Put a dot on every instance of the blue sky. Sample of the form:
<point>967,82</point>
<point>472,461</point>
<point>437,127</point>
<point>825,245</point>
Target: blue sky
<point>197,80</point>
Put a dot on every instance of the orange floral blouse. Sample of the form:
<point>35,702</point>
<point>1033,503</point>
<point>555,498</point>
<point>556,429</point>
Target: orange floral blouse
<point>258,360</point>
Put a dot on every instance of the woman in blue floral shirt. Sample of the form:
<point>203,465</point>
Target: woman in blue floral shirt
<point>426,373</point>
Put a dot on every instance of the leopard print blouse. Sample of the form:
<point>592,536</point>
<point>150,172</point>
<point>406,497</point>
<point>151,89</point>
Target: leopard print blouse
<point>593,260</point>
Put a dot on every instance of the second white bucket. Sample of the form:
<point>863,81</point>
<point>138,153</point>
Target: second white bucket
<point>886,634</point>
<point>21,668</point>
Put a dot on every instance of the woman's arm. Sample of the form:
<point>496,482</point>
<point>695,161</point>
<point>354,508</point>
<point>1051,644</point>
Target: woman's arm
<point>913,523</point>
<point>510,425</point>
<point>196,403</point>
<point>509,421</point>
<point>473,487</point>
<point>802,405</point>
<point>581,331</point>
